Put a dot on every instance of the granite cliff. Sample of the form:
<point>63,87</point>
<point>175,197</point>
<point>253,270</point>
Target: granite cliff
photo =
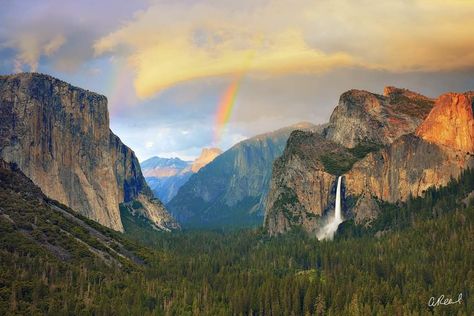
<point>362,116</point>
<point>59,137</point>
<point>390,146</point>
<point>451,122</point>
<point>301,189</point>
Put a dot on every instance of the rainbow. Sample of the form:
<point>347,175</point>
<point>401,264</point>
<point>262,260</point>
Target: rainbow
<point>225,107</point>
<point>119,88</point>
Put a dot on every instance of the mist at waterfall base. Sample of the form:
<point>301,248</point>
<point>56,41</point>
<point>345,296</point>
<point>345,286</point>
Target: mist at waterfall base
<point>330,228</point>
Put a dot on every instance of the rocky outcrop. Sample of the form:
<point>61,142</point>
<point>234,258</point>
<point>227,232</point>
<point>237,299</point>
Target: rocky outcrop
<point>231,190</point>
<point>207,155</point>
<point>407,167</point>
<point>300,185</point>
<point>451,122</point>
<point>416,146</point>
<point>362,116</point>
<point>60,138</point>
<point>410,165</point>
<point>153,210</point>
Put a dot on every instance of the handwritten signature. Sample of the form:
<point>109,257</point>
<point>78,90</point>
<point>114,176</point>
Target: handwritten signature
<point>433,302</point>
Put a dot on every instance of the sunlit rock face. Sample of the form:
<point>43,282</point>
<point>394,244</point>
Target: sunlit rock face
<point>363,116</point>
<point>442,147</point>
<point>60,138</point>
<point>207,155</point>
<point>451,122</point>
<point>420,143</point>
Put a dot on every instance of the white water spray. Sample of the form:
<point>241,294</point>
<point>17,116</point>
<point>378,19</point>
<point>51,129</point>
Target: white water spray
<point>328,230</point>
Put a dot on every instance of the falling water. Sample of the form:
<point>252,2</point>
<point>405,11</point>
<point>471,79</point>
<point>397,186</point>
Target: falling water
<point>337,213</point>
<point>328,230</point>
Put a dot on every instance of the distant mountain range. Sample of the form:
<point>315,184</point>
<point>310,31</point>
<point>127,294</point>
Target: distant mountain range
<point>166,175</point>
<point>231,190</point>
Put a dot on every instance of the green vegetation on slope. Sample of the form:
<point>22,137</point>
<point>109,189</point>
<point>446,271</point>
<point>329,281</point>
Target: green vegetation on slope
<point>247,273</point>
<point>340,163</point>
<point>435,203</point>
<point>404,105</point>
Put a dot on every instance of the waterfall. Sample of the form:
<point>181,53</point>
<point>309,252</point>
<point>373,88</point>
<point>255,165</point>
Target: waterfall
<point>337,211</point>
<point>328,230</point>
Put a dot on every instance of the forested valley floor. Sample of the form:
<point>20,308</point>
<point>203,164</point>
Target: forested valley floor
<point>415,250</point>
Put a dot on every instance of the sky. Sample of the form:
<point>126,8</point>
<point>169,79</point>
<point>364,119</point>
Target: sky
<point>167,66</point>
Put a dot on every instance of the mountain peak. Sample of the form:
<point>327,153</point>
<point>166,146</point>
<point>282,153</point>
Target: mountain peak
<point>362,116</point>
<point>163,167</point>
<point>207,155</point>
<point>391,91</point>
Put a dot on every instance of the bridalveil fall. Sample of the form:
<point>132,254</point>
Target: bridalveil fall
<point>328,230</point>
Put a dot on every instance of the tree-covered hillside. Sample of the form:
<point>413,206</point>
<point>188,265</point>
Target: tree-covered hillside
<point>414,251</point>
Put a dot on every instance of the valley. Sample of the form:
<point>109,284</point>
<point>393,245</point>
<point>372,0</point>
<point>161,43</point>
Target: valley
<point>239,272</point>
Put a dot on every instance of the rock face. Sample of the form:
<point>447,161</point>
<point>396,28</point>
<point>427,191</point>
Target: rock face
<point>231,190</point>
<point>409,165</point>
<point>451,122</point>
<point>60,138</point>
<point>207,155</point>
<point>166,175</point>
<point>362,116</point>
<point>300,188</point>
<point>415,149</point>
<point>366,209</point>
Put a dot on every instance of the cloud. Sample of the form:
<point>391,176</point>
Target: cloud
<point>181,58</point>
<point>60,33</point>
<point>173,42</point>
<point>180,121</point>
<point>54,44</point>
<point>31,47</point>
